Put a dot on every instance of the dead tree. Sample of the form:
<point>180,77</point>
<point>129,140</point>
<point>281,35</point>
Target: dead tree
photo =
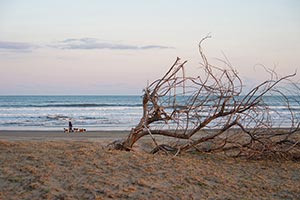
<point>210,112</point>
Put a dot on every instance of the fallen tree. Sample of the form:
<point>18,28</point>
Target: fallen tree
<point>211,112</point>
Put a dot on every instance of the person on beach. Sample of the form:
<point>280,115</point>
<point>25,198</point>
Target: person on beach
<point>70,126</point>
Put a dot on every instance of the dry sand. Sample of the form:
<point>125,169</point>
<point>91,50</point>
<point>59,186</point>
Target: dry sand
<point>54,165</point>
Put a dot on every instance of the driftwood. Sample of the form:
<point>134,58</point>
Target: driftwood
<point>210,112</point>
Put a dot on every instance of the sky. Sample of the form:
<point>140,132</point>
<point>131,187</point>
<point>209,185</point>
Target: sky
<point>97,47</point>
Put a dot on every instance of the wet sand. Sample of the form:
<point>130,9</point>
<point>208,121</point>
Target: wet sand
<point>57,165</point>
<point>60,135</point>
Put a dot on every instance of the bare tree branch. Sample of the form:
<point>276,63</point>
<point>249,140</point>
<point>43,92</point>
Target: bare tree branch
<point>183,107</point>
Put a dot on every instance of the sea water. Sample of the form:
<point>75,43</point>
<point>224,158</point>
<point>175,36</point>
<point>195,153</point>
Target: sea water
<point>101,112</point>
<point>54,112</point>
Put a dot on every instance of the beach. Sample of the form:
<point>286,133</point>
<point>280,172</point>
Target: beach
<point>99,136</point>
<point>57,165</point>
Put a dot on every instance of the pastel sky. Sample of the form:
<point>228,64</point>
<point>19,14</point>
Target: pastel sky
<point>97,47</point>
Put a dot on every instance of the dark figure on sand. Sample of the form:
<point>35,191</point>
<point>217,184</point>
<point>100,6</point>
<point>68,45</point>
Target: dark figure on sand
<point>70,126</point>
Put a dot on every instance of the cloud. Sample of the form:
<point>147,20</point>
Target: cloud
<point>16,46</point>
<point>92,43</point>
<point>155,47</point>
<point>73,43</point>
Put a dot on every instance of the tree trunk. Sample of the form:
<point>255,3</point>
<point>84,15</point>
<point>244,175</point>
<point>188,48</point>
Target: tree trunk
<point>186,108</point>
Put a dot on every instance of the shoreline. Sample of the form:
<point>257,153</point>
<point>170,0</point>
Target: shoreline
<point>88,135</point>
<point>60,135</point>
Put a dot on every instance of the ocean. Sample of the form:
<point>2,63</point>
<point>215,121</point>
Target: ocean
<point>54,112</point>
<point>96,112</point>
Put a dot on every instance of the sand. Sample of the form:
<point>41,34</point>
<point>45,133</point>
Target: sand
<point>56,165</point>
